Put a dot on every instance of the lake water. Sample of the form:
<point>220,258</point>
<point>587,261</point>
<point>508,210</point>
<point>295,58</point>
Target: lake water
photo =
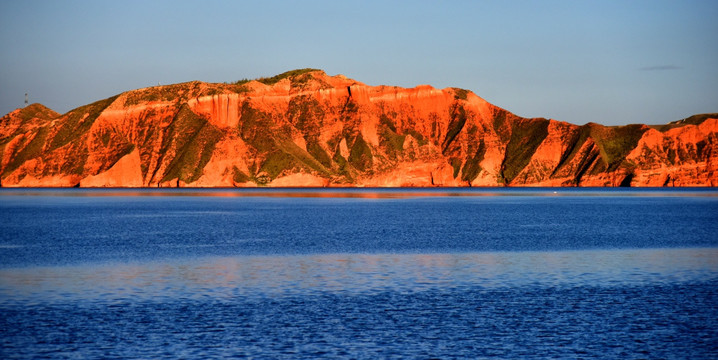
<point>359,273</point>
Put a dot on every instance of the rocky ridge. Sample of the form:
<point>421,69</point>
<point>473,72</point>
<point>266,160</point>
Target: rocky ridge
<point>305,128</point>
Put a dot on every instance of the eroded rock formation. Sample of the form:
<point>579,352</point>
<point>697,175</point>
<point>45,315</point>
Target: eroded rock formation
<point>305,128</point>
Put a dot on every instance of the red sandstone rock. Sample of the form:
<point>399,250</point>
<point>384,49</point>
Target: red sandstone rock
<point>304,128</point>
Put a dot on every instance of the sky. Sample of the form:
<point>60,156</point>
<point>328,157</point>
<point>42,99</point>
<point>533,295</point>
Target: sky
<point>610,62</point>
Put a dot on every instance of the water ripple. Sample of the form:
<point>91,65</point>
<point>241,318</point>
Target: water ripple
<point>226,277</point>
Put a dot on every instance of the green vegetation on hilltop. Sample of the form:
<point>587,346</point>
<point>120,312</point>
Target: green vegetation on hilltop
<point>460,94</point>
<point>180,92</point>
<point>691,120</point>
<point>163,93</point>
<point>37,111</point>
<point>276,78</point>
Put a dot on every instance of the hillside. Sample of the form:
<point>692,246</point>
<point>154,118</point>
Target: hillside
<point>305,128</point>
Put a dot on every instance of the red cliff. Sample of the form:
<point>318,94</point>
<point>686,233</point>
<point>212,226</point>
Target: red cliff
<point>305,128</point>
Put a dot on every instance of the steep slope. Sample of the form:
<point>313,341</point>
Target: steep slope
<point>305,128</point>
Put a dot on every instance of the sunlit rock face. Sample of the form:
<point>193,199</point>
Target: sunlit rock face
<point>305,128</point>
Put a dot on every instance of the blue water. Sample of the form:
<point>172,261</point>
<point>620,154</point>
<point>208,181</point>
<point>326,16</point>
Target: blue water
<point>474,273</point>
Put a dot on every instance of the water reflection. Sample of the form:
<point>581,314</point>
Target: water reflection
<point>228,277</point>
<point>362,193</point>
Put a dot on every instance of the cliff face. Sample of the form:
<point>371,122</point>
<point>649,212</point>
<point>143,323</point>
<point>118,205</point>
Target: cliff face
<point>304,128</point>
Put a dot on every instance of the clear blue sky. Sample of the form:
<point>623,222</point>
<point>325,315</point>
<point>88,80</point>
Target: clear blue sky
<point>612,62</point>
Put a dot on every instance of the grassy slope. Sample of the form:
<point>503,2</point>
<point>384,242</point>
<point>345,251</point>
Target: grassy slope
<point>526,136</point>
<point>192,139</point>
